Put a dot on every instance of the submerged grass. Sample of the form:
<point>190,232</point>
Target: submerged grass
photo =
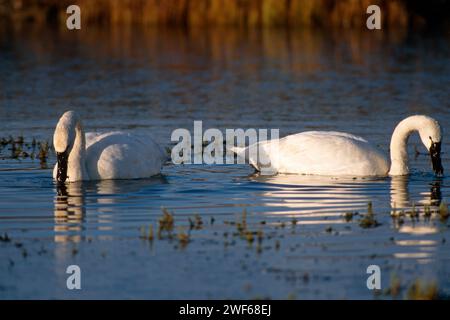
<point>368,220</point>
<point>418,289</point>
<point>19,148</point>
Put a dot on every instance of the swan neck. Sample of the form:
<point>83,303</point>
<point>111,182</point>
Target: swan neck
<point>399,152</point>
<point>77,157</point>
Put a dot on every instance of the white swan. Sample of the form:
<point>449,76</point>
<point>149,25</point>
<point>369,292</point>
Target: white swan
<point>96,156</point>
<point>336,153</point>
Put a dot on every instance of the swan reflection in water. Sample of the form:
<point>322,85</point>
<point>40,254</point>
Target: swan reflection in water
<point>400,194</point>
<point>71,200</point>
<point>316,197</point>
<point>69,211</point>
<point>312,198</point>
<point>400,199</point>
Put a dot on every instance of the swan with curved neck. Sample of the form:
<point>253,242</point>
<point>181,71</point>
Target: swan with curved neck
<point>337,153</point>
<point>431,135</point>
<point>96,156</point>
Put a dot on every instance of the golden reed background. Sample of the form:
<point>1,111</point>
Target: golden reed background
<point>240,13</point>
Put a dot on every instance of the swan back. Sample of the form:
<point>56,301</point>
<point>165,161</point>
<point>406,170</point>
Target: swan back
<point>321,153</point>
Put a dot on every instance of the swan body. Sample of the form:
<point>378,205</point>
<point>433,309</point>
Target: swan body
<point>98,156</point>
<point>338,154</point>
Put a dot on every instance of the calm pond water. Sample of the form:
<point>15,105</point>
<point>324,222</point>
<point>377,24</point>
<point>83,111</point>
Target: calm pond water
<point>156,81</point>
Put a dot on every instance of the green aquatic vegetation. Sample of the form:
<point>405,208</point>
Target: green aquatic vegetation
<point>291,296</point>
<point>244,218</point>
<point>260,236</point>
<point>21,149</point>
<point>414,214</point>
<point>19,140</point>
<point>165,223</point>
<point>183,237</point>
<point>348,216</point>
<point>422,291</point>
<point>368,220</point>
<point>249,237</point>
<point>443,211</point>
<point>397,214</point>
<point>147,235</point>
<point>427,212</point>
<point>259,249</point>
<point>240,228</point>
<point>196,223</point>
<point>43,151</point>
<point>4,142</point>
<point>150,233</point>
<point>394,288</point>
<point>370,208</point>
<point>277,245</point>
<point>5,238</point>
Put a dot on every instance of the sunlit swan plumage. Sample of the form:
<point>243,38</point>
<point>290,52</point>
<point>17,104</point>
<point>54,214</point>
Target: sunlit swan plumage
<point>97,156</point>
<point>336,153</point>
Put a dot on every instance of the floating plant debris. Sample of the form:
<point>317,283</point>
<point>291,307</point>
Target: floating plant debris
<point>20,149</point>
<point>443,211</point>
<point>5,238</point>
<point>368,220</point>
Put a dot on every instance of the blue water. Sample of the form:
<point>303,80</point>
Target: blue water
<point>156,82</point>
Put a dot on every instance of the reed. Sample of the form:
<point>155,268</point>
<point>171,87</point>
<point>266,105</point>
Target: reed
<point>241,13</point>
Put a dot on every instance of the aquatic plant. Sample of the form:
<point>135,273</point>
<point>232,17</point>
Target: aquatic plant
<point>195,223</point>
<point>394,288</point>
<point>348,216</point>
<point>249,237</point>
<point>277,245</point>
<point>427,212</point>
<point>5,238</point>
<point>260,236</point>
<point>368,220</point>
<point>414,214</point>
<point>294,222</point>
<point>43,151</point>
<point>183,237</point>
<point>419,290</point>
<point>165,223</point>
<point>443,211</point>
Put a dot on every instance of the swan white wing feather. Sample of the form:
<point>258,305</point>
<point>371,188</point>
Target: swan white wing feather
<point>120,155</point>
<point>321,153</point>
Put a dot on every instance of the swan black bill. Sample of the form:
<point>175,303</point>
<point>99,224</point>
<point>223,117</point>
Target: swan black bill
<point>435,153</point>
<point>61,172</point>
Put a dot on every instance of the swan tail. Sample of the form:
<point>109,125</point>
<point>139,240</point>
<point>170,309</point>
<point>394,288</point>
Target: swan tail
<point>237,150</point>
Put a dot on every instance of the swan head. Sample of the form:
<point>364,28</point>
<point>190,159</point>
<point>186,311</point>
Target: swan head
<point>63,140</point>
<point>431,136</point>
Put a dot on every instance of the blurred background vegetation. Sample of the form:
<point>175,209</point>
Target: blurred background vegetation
<point>343,14</point>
